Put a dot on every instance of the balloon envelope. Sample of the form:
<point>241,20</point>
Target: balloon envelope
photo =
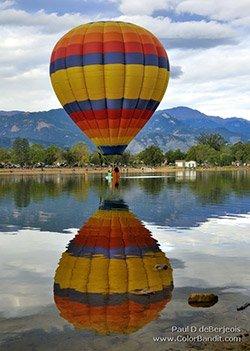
<point>110,77</point>
<point>113,278</point>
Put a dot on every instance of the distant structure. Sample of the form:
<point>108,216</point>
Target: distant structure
<point>180,163</point>
<point>185,164</point>
<point>190,164</point>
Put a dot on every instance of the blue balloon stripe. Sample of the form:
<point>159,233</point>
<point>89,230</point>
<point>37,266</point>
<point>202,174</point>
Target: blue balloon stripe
<point>109,58</point>
<point>111,104</point>
<point>112,150</point>
<point>108,299</point>
<point>85,251</point>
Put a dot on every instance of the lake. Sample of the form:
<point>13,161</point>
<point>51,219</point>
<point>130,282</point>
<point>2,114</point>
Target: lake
<point>87,266</point>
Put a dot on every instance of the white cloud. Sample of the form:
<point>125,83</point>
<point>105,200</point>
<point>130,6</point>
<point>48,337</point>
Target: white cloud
<point>164,28</point>
<point>6,4</point>
<point>25,264</point>
<point>176,72</point>
<point>52,22</point>
<point>146,7</point>
<point>209,58</point>
<point>213,81</point>
<point>218,10</point>
<point>224,10</point>
<point>215,243</point>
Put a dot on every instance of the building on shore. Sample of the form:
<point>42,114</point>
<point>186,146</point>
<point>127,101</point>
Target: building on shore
<point>180,163</point>
<point>190,164</point>
<point>185,164</point>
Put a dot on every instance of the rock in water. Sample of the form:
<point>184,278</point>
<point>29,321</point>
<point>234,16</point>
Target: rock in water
<point>202,299</point>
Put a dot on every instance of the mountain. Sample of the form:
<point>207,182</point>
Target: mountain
<point>46,128</point>
<point>171,128</point>
<point>180,126</point>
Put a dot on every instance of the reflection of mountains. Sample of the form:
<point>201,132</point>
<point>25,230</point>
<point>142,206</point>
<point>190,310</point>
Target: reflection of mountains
<point>39,201</point>
<point>113,278</point>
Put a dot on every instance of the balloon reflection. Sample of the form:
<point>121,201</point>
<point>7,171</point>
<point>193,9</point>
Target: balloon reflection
<point>113,277</point>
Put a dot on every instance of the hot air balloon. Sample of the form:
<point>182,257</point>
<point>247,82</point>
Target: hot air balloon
<point>113,277</point>
<point>109,77</point>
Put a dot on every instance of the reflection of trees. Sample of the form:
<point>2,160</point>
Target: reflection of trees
<point>151,186</point>
<point>21,193</point>
<point>214,187</point>
<point>27,189</point>
<point>210,187</point>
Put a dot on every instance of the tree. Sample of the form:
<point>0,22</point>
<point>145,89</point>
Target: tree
<point>225,156</point>
<point>37,154</point>
<point>4,155</point>
<point>173,155</point>
<point>96,159</point>
<point>20,151</point>
<point>69,157</point>
<point>215,141</point>
<point>53,154</point>
<point>80,153</point>
<point>124,159</point>
<point>152,156</point>
<point>203,153</point>
<point>241,151</point>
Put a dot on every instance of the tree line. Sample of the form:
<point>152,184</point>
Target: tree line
<point>210,149</point>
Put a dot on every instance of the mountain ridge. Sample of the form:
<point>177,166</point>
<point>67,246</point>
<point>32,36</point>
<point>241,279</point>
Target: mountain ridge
<point>172,128</point>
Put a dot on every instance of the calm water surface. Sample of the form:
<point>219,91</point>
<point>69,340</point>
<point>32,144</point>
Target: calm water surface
<point>88,267</point>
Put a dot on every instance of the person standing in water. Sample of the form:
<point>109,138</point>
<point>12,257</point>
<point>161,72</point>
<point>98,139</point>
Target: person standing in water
<point>116,177</point>
<point>109,176</point>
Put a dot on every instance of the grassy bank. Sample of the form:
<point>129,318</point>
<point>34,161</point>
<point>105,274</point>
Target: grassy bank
<point>78,170</point>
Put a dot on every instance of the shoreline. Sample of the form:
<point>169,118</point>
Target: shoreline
<point>97,170</point>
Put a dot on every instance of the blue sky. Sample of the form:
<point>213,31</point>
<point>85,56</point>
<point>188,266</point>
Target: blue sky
<point>207,43</point>
<point>72,6</point>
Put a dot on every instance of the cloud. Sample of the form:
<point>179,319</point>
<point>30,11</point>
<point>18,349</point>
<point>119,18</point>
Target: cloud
<point>218,10</point>
<point>209,59</point>
<point>178,34</point>
<point>214,80</point>
<point>146,7</point>
<point>47,22</point>
<point>176,72</point>
<point>26,275</point>
<point>6,4</point>
<point>223,10</point>
<point>192,34</point>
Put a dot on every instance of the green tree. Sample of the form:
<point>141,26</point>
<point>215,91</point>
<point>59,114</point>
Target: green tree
<point>173,155</point>
<point>215,141</point>
<point>241,151</point>
<point>96,159</point>
<point>80,153</point>
<point>203,153</point>
<point>4,155</point>
<point>225,156</point>
<point>53,154</point>
<point>20,151</point>
<point>37,154</point>
<point>124,159</point>
<point>152,156</point>
<point>69,157</point>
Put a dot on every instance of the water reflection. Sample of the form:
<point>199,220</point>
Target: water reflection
<point>182,200</point>
<point>113,277</point>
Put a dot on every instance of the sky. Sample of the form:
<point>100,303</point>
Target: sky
<point>208,44</point>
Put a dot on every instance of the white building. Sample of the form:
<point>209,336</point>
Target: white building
<point>180,163</point>
<point>185,164</point>
<point>190,164</point>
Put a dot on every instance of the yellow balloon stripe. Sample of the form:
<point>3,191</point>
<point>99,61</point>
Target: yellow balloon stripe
<point>132,274</point>
<point>70,84</point>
